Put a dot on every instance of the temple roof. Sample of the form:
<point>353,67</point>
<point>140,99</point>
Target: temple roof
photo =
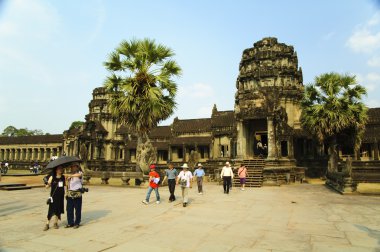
<point>42,139</point>
<point>191,125</point>
<point>374,116</point>
<point>223,119</point>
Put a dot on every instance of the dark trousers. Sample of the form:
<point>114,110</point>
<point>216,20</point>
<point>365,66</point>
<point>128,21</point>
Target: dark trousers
<point>226,183</point>
<point>171,185</point>
<point>200,184</point>
<point>70,206</point>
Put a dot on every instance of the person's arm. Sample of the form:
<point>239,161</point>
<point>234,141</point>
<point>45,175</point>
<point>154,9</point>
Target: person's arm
<point>221,173</point>
<point>49,182</point>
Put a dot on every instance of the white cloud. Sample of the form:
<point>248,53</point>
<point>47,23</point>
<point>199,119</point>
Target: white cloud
<point>373,77</point>
<point>373,103</point>
<point>366,37</point>
<point>374,61</point>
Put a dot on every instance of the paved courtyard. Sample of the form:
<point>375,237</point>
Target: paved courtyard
<point>300,217</point>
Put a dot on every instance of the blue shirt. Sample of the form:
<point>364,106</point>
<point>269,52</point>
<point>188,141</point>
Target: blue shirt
<point>171,174</point>
<point>199,172</point>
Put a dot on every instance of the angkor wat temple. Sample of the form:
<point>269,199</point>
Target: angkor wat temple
<point>267,113</point>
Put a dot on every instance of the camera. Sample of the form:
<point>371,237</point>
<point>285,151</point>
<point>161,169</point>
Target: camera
<point>49,200</point>
<point>83,190</point>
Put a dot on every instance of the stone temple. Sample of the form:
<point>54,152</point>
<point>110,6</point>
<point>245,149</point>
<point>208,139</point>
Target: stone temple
<point>263,131</point>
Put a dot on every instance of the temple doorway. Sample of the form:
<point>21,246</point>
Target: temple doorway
<point>260,147</point>
<point>256,138</point>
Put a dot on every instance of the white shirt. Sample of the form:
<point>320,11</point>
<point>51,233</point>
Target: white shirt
<point>75,183</point>
<point>185,175</point>
<point>227,171</point>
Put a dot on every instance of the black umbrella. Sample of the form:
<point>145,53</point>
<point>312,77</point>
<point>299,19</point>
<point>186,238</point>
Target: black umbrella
<point>64,161</point>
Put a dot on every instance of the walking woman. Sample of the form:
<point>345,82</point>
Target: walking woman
<point>227,175</point>
<point>57,184</point>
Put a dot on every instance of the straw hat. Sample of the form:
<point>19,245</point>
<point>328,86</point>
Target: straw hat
<point>184,166</point>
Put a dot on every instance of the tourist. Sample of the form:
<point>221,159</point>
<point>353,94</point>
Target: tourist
<point>242,173</point>
<point>56,200</point>
<point>154,179</point>
<point>227,175</point>
<point>6,167</point>
<point>199,174</point>
<point>260,148</point>
<point>171,175</point>
<point>185,179</point>
<point>74,197</point>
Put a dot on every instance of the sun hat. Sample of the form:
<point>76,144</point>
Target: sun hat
<point>184,166</point>
<point>199,164</point>
<point>227,163</point>
<point>152,166</point>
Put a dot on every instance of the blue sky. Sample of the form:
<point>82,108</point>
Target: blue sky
<point>52,52</point>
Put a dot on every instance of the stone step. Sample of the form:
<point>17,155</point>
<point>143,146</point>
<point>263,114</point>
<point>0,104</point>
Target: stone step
<point>14,188</point>
<point>11,184</point>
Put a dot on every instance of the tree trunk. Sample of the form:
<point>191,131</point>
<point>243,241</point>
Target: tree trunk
<point>146,154</point>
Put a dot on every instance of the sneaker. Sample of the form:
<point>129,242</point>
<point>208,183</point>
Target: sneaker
<point>76,226</point>
<point>46,228</point>
<point>69,226</point>
<point>243,189</point>
<point>55,225</point>
<point>201,193</point>
<point>157,202</point>
<point>145,202</point>
<point>184,204</point>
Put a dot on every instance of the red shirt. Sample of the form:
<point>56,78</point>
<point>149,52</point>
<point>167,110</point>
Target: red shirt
<point>155,175</point>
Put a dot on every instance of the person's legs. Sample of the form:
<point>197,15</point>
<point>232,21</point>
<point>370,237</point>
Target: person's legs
<point>200,184</point>
<point>78,210</point>
<point>228,184</point>
<point>225,184</point>
<point>171,184</point>
<point>157,194</point>
<point>70,211</point>
<point>185,194</point>
<point>148,194</point>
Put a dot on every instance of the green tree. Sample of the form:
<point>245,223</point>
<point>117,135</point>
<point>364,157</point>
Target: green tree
<point>141,89</point>
<point>76,125</point>
<point>12,131</point>
<point>332,107</point>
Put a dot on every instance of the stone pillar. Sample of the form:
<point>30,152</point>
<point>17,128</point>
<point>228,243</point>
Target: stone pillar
<point>291,148</point>
<point>241,141</point>
<point>170,154</point>
<point>376,150</point>
<point>271,139</point>
<point>183,153</point>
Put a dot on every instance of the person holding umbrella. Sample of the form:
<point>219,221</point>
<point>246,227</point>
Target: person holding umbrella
<point>56,200</point>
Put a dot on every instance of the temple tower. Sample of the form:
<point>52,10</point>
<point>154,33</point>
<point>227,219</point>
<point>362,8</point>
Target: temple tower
<point>267,100</point>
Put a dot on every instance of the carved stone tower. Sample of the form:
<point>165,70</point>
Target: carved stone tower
<point>267,101</point>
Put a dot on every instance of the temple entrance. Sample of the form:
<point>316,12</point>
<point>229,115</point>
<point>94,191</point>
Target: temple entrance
<point>256,138</point>
<point>260,147</point>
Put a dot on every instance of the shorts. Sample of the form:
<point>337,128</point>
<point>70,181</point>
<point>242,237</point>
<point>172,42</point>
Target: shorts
<point>242,180</point>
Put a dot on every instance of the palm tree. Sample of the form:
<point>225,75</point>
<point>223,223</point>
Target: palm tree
<point>331,107</point>
<point>141,87</point>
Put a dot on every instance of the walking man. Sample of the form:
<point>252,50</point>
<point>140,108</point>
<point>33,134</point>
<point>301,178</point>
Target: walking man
<point>171,175</point>
<point>154,179</point>
<point>227,175</point>
<point>184,179</point>
<point>199,174</point>
<point>242,173</point>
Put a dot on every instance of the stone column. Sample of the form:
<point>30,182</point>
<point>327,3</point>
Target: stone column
<point>376,150</point>
<point>183,153</point>
<point>241,141</point>
<point>271,139</point>
<point>291,148</point>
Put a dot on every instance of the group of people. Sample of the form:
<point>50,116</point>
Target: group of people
<point>57,183</point>
<point>185,179</point>
<point>4,167</point>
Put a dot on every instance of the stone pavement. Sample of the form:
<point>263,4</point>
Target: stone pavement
<point>300,217</point>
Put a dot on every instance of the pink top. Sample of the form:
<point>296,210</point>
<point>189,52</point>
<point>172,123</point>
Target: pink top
<point>242,172</point>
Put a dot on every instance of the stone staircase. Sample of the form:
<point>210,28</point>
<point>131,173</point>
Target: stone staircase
<point>14,186</point>
<point>255,172</point>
